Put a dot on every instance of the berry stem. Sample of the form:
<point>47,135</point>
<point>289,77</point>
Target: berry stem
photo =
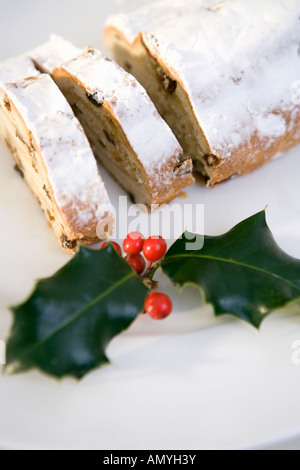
<point>150,264</point>
<point>152,270</point>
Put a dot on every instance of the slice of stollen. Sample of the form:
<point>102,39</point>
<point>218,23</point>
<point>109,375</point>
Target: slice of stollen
<point>50,148</point>
<point>126,132</point>
<point>223,74</point>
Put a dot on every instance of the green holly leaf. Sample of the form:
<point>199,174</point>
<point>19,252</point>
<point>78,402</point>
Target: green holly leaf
<point>243,272</point>
<point>67,323</point>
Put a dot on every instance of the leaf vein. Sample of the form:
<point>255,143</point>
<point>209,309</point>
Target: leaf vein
<point>237,263</point>
<point>81,311</point>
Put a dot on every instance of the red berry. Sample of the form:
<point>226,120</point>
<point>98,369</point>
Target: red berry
<point>137,262</point>
<point>115,245</point>
<point>158,306</point>
<point>154,248</point>
<point>133,243</point>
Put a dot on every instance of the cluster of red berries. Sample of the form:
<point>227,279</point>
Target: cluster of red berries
<point>157,305</point>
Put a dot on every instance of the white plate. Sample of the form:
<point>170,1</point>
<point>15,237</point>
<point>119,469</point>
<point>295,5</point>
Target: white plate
<point>189,382</point>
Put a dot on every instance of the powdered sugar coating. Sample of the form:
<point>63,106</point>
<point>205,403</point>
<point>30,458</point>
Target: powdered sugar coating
<point>54,52</point>
<point>71,166</point>
<point>148,134</point>
<point>237,60</point>
<point>15,69</point>
<point>150,137</point>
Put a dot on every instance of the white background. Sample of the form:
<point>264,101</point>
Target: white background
<point>189,382</point>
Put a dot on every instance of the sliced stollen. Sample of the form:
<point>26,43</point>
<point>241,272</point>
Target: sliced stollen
<point>221,73</point>
<point>50,148</point>
<point>126,132</point>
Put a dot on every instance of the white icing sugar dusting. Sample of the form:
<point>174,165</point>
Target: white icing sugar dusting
<point>150,137</point>
<point>53,53</point>
<point>237,59</point>
<point>17,68</point>
<point>271,125</point>
<point>71,166</point>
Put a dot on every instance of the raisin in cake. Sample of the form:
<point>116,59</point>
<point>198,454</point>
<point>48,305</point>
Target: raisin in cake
<point>221,73</point>
<point>126,132</point>
<point>50,148</point>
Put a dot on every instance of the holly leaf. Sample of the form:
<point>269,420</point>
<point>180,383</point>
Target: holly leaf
<point>244,272</point>
<point>67,323</point>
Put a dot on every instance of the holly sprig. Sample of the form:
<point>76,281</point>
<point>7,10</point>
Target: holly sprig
<point>66,324</point>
